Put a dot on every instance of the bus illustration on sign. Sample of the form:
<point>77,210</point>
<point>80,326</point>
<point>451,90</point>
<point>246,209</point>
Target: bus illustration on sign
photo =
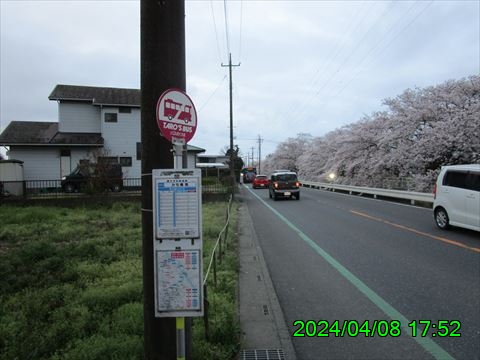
<point>176,116</point>
<point>172,109</point>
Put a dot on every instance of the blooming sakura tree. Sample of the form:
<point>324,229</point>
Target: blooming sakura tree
<point>402,147</point>
<point>287,153</point>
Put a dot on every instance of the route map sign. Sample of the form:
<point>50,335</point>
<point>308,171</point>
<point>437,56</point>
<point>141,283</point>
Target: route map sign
<point>179,282</point>
<point>177,204</point>
<point>176,116</point>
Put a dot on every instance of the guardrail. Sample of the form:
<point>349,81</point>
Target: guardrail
<point>375,192</point>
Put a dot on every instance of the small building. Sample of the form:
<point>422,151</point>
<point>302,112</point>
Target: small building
<point>93,123</point>
<point>213,165</point>
<point>11,177</point>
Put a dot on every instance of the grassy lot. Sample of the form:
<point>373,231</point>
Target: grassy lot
<point>71,284</point>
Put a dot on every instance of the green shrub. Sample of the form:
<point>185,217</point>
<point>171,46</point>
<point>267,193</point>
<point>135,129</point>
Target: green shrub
<point>99,347</point>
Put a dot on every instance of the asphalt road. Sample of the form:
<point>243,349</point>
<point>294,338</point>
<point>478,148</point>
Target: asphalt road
<point>364,270</point>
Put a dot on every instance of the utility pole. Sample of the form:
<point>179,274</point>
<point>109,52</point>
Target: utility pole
<point>232,168</point>
<point>259,153</point>
<point>162,33</point>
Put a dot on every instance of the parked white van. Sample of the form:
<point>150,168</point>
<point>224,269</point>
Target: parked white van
<point>457,197</point>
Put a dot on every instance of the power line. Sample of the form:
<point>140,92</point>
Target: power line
<point>388,33</point>
<point>216,33</point>
<point>320,75</point>
<point>212,94</point>
<point>227,36</point>
<point>339,69</point>
<point>376,57</point>
<point>240,35</point>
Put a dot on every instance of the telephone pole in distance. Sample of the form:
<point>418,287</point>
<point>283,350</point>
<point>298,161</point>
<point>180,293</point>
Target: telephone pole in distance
<point>232,169</point>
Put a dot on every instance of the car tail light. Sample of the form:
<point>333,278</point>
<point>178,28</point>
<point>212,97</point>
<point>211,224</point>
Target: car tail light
<point>275,184</point>
<point>434,191</point>
<point>297,184</point>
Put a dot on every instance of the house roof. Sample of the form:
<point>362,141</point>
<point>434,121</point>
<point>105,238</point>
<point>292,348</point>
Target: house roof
<point>195,149</point>
<point>215,156</point>
<point>97,95</point>
<point>45,133</point>
<point>212,165</point>
<point>28,133</point>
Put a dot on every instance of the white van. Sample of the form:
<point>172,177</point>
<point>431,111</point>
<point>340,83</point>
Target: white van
<point>457,197</point>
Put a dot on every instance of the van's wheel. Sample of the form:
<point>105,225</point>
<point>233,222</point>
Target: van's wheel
<point>69,188</point>
<point>441,218</point>
<point>116,188</point>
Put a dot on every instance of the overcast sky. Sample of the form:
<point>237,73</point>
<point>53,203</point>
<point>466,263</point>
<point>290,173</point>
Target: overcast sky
<point>306,66</point>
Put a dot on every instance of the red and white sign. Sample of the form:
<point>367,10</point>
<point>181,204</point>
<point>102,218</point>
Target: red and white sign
<point>176,116</point>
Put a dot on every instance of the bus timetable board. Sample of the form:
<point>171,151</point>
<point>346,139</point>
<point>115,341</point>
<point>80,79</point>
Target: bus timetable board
<point>177,203</point>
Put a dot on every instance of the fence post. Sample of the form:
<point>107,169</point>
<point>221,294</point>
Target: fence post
<point>226,233</point>
<point>214,270</point>
<point>205,311</point>
<point>220,249</point>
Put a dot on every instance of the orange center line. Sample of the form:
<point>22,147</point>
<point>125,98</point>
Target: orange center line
<point>439,238</point>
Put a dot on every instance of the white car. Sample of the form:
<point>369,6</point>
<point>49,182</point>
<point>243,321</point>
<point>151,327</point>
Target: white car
<point>457,197</point>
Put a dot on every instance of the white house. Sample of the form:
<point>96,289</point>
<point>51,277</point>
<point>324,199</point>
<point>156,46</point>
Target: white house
<point>92,122</point>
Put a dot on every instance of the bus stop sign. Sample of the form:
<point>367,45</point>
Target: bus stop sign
<point>176,116</point>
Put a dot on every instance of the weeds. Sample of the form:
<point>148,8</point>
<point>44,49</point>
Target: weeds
<point>71,285</point>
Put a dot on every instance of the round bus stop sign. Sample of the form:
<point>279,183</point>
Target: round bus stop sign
<point>176,116</point>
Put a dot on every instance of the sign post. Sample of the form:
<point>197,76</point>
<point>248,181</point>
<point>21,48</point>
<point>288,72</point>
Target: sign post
<point>177,220</point>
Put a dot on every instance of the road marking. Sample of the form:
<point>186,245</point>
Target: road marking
<point>439,238</point>
<point>425,342</point>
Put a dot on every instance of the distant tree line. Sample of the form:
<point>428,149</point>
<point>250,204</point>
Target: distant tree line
<point>421,130</point>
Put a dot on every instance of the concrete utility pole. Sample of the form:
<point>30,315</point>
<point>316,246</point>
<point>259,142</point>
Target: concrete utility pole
<point>232,168</point>
<point>162,67</point>
<point>259,153</point>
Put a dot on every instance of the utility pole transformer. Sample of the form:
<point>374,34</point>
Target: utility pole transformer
<point>162,67</point>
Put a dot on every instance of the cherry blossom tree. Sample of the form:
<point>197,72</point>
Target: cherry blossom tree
<point>402,147</point>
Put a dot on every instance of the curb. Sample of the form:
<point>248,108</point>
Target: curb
<point>264,331</point>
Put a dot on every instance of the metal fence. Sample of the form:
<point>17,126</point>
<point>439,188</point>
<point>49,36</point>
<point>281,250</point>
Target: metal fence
<point>53,188</point>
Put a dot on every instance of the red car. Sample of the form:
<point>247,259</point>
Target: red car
<point>260,181</point>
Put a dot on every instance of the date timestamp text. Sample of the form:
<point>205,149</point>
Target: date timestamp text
<point>380,328</point>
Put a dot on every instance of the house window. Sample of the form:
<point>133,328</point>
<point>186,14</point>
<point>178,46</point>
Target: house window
<point>108,159</point>
<point>125,110</point>
<point>111,117</point>
<point>126,161</point>
<point>64,152</point>
<point>139,151</point>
